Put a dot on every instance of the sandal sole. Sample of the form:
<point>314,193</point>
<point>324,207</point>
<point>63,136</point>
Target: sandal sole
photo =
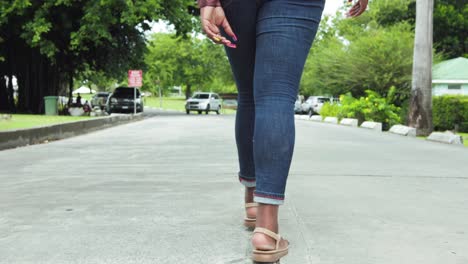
<point>269,257</point>
<point>250,223</point>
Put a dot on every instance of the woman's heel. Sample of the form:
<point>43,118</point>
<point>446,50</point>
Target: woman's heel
<point>271,256</point>
<point>250,222</point>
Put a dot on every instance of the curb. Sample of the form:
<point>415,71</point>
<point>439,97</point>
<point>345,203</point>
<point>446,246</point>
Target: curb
<point>399,130</point>
<point>403,130</point>
<point>24,137</point>
<point>446,137</point>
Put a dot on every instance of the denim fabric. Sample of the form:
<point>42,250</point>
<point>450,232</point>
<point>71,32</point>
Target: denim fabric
<point>274,39</point>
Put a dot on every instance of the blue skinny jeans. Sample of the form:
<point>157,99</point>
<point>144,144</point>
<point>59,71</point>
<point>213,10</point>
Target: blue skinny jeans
<point>274,39</point>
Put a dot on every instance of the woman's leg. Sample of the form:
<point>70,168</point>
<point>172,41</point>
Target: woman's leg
<point>241,15</point>
<point>285,32</point>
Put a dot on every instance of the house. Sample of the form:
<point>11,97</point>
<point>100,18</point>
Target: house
<point>84,90</point>
<point>450,77</point>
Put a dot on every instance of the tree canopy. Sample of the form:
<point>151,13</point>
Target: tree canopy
<point>46,43</point>
<point>375,51</point>
<point>190,62</point>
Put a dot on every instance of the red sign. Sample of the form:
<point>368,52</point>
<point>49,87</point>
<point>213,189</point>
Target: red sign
<point>135,78</point>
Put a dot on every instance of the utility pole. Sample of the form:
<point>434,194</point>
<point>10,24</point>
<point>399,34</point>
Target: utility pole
<point>420,112</point>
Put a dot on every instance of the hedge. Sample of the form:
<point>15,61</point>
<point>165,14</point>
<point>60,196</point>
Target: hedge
<point>450,112</point>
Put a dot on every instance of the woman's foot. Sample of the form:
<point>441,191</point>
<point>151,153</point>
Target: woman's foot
<point>265,243</point>
<point>250,211</point>
<point>267,251</point>
<point>267,217</point>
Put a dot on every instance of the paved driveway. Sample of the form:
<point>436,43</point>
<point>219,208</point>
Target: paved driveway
<point>164,190</point>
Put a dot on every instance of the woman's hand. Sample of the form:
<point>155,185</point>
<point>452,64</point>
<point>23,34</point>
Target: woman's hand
<point>212,18</point>
<point>358,8</point>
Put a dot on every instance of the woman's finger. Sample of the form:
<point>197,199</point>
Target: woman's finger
<point>214,34</point>
<point>211,31</point>
<point>363,4</point>
<point>213,28</point>
<point>358,9</point>
<point>359,12</point>
<point>227,28</point>
<point>353,9</point>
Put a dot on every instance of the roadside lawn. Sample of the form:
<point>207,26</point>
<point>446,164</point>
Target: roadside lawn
<point>465,138</point>
<point>29,121</point>
<point>175,103</point>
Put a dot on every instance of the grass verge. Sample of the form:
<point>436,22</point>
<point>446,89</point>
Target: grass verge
<point>30,121</point>
<point>175,103</point>
<point>465,138</point>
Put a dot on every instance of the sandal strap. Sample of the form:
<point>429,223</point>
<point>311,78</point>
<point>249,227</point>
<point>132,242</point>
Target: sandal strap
<point>269,233</point>
<point>249,205</point>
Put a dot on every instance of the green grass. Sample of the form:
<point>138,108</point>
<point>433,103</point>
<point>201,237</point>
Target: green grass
<point>175,103</point>
<point>85,97</point>
<point>465,138</point>
<point>30,121</point>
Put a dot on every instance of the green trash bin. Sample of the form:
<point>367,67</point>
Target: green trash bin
<point>51,105</point>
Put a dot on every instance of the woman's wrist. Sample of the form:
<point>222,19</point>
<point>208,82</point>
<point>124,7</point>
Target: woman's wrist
<point>203,3</point>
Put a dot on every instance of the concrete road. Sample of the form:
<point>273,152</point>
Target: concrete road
<point>164,190</point>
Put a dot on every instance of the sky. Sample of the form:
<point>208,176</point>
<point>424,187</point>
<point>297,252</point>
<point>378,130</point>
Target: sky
<point>331,7</point>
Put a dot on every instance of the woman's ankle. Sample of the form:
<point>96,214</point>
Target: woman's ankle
<point>267,217</point>
<point>249,194</point>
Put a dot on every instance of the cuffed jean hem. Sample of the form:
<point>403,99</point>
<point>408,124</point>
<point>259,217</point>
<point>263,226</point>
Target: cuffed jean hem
<point>268,199</point>
<point>249,183</point>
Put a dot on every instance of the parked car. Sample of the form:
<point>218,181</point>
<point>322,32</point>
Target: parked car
<point>100,99</point>
<point>203,102</point>
<point>122,101</point>
<point>298,104</point>
<point>230,104</point>
<point>336,100</point>
<point>313,104</point>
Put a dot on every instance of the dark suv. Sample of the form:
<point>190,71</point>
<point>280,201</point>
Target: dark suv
<point>121,101</point>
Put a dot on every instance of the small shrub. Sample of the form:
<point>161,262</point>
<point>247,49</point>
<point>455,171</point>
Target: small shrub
<point>373,107</point>
<point>329,109</point>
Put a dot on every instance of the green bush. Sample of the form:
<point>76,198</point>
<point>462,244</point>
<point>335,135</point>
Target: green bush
<point>329,109</point>
<point>463,127</point>
<point>450,112</point>
<point>372,107</point>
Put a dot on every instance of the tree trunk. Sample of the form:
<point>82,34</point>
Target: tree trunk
<point>420,112</point>
<point>11,94</point>
<point>188,91</point>
<point>37,77</point>
<point>3,94</point>
<point>70,89</point>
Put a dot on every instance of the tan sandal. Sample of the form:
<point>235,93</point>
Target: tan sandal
<point>269,255</point>
<point>250,222</point>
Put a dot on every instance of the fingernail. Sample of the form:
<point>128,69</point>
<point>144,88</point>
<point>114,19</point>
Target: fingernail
<point>231,45</point>
<point>234,37</point>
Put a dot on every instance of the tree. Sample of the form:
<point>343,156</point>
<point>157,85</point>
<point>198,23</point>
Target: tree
<point>450,22</point>
<point>450,26</point>
<point>46,43</point>
<point>188,62</point>
<point>355,55</point>
<point>420,113</point>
